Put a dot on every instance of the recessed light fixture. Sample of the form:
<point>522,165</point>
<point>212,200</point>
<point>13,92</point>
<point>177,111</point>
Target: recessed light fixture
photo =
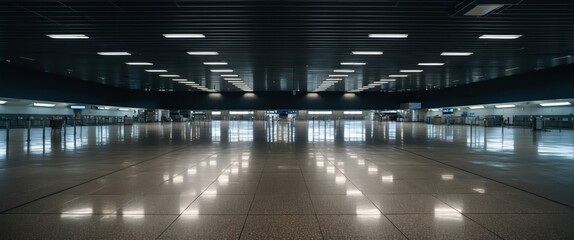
<point>476,107</point>
<point>169,75</point>
<point>203,53</point>
<point>393,35</point>
<point>398,75</point>
<point>215,63</point>
<point>139,63</point>
<point>229,75</point>
<point>3,102</point>
<point>179,79</point>
<point>156,70</point>
<point>343,70</point>
<point>333,79</point>
<point>231,79</point>
<point>482,9</point>
<point>338,75</point>
<point>431,64</point>
<point>221,70</point>
<point>123,109</point>
<point>367,53</point>
<point>487,36</point>
<point>505,106</point>
<point>456,53</point>
<point>411,71</point>
<point>387,80</point>
<point>555,104</point>
<point>185,35</point>
<point>353,63</point>
<point>44,105</point>
<point>68,36</point>
<point>114,53</point>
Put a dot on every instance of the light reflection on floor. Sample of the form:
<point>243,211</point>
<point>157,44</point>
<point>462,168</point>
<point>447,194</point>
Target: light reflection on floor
<point>229,174</point>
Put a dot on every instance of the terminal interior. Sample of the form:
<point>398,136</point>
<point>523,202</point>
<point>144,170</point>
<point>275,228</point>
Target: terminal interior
<point>188,119</point>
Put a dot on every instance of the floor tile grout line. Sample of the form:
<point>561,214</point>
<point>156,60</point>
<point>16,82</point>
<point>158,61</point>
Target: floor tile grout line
<point>93,179</point>
<point>195,199</point>
<point>251,204</point>
<point>494,180</point>
<point>371,201</point>
<point>313,204</point>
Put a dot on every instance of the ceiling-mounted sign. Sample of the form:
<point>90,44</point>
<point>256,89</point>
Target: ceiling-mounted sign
<point>411,105</point>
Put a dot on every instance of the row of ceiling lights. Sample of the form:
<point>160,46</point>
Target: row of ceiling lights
<point>231,78</point>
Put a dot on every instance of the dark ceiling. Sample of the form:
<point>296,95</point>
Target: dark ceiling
<point>285,45</point>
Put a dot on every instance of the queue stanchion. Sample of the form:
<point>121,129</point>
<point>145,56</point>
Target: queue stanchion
<point>7,130</point>
<point>29,123</point>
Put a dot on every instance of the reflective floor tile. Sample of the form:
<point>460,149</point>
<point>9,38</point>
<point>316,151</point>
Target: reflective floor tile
<point>478,203</point>
<point>343,204</point>
<point>407,203</point>
<point>530,203</point>
<point>282,204</point>
<point>92,204</point>
<point>358,227</point>
<point>220,204</point>
<point>205,227</point>
<point>281,227</point>
<point>134,226</point>
<point>48,226</point>
<point>337,186</point>
<point>440,226</point>
<point>528,226</point>
<point>231,188</point>
<point>158,204</point>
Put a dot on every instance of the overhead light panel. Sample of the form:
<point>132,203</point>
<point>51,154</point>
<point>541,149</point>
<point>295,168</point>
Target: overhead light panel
<point>221,70</point>
<point>333,79</point>
<point>68,36</point>
<point>393,35</point>
<point>3,102</point>
<point>456,53</point>
<point>398,75</point>
<point>483,9</point>
<point>431,64</point>
<point>215,63</point>
<point>412,71</point>
<point>179,79</point>
<point>343,70</point>
<point>505,106</point>
<point>156,70</point>
<point>354,63</point>
<point>229,75</point>
<point>487,36</point>
<point>367,53</point>
<point>179,35</point>
<point>169,75</point>
<point>387,80</point>
<point>553,104</point>
<point>203,53</point>
<point>231,79</point>
<point>139,63</point>
<point>476,107</point>
<point>114,53</point>
<point>338,75</point>
<point>44,105</point>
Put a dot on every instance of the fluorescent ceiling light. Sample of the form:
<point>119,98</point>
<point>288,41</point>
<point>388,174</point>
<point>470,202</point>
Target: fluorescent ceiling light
<point>411,71</point>
<point>555,104</point>
<point>192,84</point>
<point>221,70</point>
<point>476,107</point>
<point>3,102</point>
<point>338,75</point>
<point>353,112</point>
<point>399,75</point>
<point>239,112</point>
<point>320,112</point>
<point>203,53</point>
<point>229,75</point>
<point>353,63</point>
<point>482,9</point>
<point>367,53</point>
<point>169,75</point>
<point>67,36</point>
<point>215,63</point>
<point>505,106</point>
<point>44,105</point>
<point>456,54</point>
<point>114,53</point>
<point>179,79</point>
<point>78,107</point>
<point>178,35</point>
<point>123,109</point>
<point>139,63</point>
<point>236,81</point>
<point>156,70</point>
<point>431,64</point>
<point>387,80</point>
<point>388,35</point>
<point>343,70</point>
<point>487,36</point>
<point>374,84</point>
<point>232,79</point>
<point>333,79</point>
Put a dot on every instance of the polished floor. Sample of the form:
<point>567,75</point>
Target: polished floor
<point>287,180</point>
